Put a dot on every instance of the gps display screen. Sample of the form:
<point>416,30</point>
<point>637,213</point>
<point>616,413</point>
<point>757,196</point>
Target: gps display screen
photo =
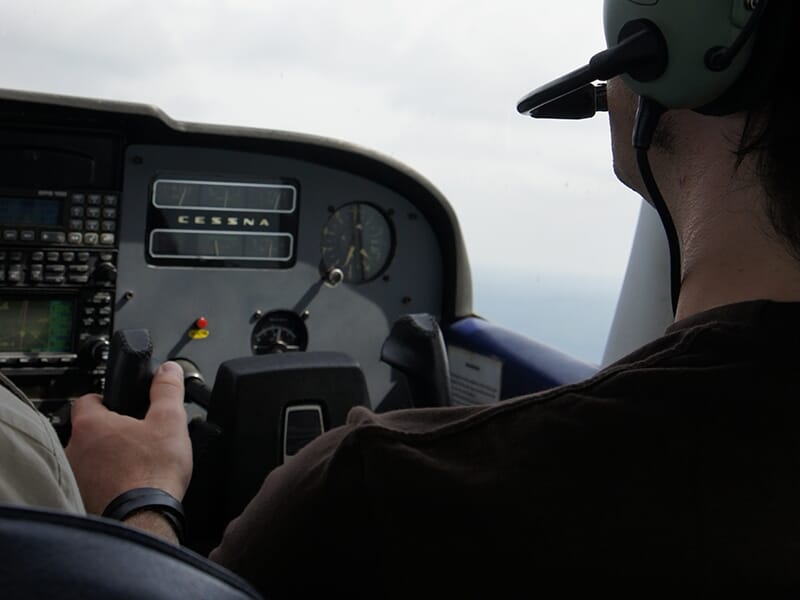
<point>36,325</point>
<point>35,212</point>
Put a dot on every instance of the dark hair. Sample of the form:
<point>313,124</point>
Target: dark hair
<point>771,131</point>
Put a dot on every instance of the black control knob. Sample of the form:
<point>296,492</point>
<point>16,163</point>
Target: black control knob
<point>94,351</point>
<point>105,272</point>
<point>195,386</point>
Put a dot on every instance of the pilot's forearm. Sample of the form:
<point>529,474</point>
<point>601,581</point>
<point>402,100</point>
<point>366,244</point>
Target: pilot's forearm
<point>154,523</point>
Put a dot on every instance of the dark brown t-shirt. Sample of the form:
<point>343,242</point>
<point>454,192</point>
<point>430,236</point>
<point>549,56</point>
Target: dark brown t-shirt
<point>676,467</point>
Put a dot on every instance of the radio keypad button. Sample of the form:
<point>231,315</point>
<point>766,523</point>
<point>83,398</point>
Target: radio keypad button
<point>78,198</point>
<point>54,278</point>
<point>110,200</point>
<point>83,256</point>
<point>67,256</point>
<point>56,268</point>
<point>93,212</point>
<point>103,322</point>
<point>108,226</point>
<point>37,256</point>
<point>76,224</point>
<point>10,235</point>
<point>107,239</point>
<point>90,239</point>
<point>36,274</point>
<point>92,225</point>
<point>53,256</point>
<point>93,200</point>
<point>75,237</point>
<point>15,274</point>
<point>2,274</point>
<point>76,211</point>
<point>88,322</point>
<point>78,278</point>
<point>27,235</point>
<point>58,237</point>
<point>79,269</point>
<point>15,257</point>
<point>109,213</point>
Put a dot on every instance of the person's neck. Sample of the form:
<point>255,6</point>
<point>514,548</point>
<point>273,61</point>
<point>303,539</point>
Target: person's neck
<point>730,251</point>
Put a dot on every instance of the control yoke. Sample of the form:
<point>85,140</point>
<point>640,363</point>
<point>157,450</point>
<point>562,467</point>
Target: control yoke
<point>129,372</point>
<point>416,348</point>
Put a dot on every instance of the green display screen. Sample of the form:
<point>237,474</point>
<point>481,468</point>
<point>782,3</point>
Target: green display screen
<point>36,325</point>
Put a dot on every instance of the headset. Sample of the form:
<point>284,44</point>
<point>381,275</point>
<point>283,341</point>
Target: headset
<point>687,54</point>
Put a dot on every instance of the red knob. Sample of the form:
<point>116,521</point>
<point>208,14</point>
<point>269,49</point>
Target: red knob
<point>201,323</point>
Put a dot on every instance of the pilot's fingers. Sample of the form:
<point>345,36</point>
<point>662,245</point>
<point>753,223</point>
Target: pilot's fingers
<point>166,394</point>
<point>86,406</point>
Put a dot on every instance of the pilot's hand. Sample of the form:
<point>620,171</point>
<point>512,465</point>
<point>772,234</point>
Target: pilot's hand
<point>112,453</point>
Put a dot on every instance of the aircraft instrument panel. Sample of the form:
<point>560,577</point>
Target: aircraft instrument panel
<point>222,242</point>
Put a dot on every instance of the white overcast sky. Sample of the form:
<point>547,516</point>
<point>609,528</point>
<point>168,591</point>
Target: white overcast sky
<point>431,83</point>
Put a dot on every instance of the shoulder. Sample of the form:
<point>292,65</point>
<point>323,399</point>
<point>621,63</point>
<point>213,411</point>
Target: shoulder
<point>34,470</point>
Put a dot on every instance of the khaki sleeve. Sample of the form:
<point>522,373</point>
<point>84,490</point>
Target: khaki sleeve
<point>33,467</point>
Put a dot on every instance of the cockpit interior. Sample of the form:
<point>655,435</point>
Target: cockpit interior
<point>291,276</point>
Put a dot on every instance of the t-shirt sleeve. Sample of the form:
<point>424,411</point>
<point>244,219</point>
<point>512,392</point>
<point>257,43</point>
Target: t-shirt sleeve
<point>307,523</point>
<point>34,470</point>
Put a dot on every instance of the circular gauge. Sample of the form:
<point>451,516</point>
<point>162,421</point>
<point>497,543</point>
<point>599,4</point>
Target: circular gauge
<point>358,240</point>
<point>279,331</point>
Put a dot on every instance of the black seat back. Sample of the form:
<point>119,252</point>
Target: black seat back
<point>47,554</point>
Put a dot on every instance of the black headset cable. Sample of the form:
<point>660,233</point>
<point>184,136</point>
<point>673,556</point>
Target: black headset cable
<point>647,116</point>
<point>720,58</point>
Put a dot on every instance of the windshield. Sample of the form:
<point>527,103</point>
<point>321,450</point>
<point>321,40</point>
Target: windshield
<point>433,84</point>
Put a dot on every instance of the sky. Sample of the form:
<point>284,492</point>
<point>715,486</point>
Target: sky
<point>432,83</point>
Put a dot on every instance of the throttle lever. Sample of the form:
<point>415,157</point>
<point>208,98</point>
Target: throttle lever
<point>129,372</point>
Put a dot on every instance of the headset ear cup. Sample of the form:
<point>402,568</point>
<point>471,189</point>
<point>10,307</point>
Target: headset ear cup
<point>754,86</point>
<point>691,28</point>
